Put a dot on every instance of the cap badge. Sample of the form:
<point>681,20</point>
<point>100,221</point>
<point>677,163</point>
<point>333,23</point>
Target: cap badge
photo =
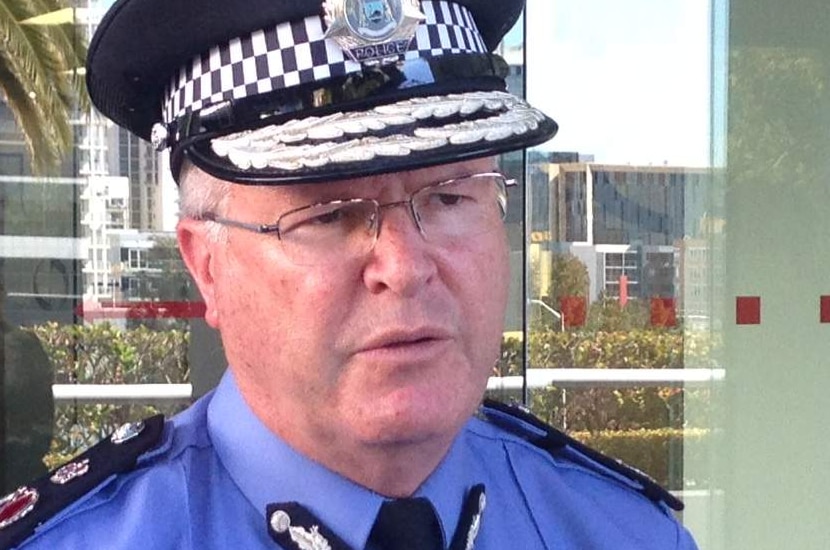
<point>68,472</point>
<point>17,505</point>
<point>373,31</point>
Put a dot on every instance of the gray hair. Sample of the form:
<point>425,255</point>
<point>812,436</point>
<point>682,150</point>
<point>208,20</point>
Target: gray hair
<point>201,193</point>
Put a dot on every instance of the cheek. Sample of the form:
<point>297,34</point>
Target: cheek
<point>495,292</point>
<point>276,309</point>
<point>485,273</point>
<point>479,281</point>
<point>252,296</point>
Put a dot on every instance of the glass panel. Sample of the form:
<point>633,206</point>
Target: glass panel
<point>99,315</point>
<point>40,273</point>
<point>619,247</point>
<point>773,408</point>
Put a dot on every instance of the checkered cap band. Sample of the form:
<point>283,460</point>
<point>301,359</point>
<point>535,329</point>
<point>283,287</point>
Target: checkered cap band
<point>296,53</point>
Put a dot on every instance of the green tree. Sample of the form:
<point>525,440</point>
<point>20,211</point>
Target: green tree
<point>39,62</point>
<point>606,314</point>
<point>569,277</point>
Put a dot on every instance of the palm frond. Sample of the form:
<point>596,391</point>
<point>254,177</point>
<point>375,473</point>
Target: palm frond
<point>39,80</point>
<point>39,137</point>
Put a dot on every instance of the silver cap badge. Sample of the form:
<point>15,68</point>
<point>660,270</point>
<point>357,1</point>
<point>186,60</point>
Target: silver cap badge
<point>373,31</point>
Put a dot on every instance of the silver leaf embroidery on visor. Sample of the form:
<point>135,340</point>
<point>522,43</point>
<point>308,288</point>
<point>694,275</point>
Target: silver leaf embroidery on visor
<point>297,144</point>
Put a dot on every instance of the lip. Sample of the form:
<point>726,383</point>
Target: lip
<point>404,340</point>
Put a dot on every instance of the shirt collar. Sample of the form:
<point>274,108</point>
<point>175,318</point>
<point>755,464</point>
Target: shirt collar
<point>448,485</point>
<point>267,470</point>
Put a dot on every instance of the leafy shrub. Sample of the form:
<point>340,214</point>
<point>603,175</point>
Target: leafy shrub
<point>641,426</point>
<point>658,452</point>
<point>105,354</point>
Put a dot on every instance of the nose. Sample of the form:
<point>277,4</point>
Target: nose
<point>406,205</point>
<point>400,261</point>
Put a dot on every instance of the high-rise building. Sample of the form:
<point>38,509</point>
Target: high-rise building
<point>633,227</point>
<point>110,184</point>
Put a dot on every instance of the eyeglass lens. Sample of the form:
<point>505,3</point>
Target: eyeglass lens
<point>337,231</point>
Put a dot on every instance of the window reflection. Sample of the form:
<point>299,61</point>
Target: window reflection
<point>620,220</point>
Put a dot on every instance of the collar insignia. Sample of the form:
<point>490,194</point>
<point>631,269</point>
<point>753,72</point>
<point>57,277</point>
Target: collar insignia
<point>373,31</point>
<point>305,539</point>
<point>475,526</point>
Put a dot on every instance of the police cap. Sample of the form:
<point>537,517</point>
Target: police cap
<point>300,91</point>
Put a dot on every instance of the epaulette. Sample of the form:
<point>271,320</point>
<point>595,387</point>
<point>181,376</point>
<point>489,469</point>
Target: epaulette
<point>521,422</point>
<point>22,511</point>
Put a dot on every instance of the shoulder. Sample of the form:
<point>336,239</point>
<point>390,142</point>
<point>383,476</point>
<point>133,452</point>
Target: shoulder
<point>541,443</point>
<point>576,496</point>
<point>140,460</point>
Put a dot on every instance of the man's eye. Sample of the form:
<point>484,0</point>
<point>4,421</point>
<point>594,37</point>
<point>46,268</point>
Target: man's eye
<point>345,217</point>
<point>447,199</point>
<point>328,218</point>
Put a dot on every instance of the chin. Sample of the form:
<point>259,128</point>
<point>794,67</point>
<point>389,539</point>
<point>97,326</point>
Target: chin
<point>407,434</point>
<point>413,419</point>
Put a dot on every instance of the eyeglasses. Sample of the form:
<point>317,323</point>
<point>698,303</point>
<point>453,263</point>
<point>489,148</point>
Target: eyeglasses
<point>336,231</point>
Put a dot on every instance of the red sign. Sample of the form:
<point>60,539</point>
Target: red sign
<point>141,310</point>
<point>748,310</point>
<point>623,290</point>
<point>663,312</point>
<point>574,310</point>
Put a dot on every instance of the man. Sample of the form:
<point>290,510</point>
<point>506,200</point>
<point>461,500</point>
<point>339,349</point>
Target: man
<point>342,217</point>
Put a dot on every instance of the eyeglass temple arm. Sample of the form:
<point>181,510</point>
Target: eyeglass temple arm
<point>255,227</point>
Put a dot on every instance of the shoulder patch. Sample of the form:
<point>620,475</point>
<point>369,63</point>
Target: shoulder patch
<point>518,421</point>
<point>22,511</point>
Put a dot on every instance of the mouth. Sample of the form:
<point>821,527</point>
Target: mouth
<point>411,341</point>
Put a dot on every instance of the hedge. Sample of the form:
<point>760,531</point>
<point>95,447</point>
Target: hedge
<point>105,354</point>
<point>642,426</point>
<point>659,453</point>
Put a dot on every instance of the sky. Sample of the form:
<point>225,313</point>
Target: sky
<point>628,81</point>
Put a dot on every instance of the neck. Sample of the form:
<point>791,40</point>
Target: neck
<point>390,470</point>
<point>393,469</point>
<point>390,466</point>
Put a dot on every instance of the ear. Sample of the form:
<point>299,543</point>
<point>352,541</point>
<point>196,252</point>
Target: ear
<point>198,250</point>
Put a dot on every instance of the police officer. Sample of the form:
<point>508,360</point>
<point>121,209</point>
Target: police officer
<point>342,216</point>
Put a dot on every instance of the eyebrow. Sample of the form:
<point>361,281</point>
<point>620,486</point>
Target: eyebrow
<point>370,188</point>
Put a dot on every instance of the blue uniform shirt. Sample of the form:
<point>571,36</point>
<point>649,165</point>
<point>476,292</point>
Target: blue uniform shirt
<point>208,482</point>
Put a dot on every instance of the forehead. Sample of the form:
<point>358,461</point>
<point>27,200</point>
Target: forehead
<point>367,187</point>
